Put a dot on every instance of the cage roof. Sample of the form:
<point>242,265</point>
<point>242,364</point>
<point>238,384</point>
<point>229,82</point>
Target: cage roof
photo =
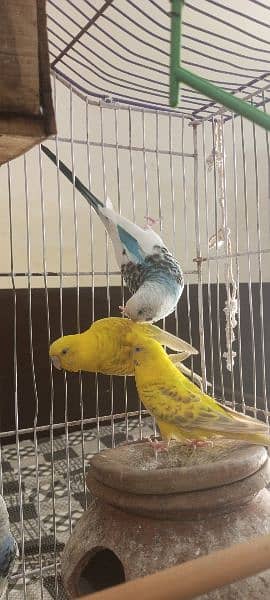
<point>119,49</point>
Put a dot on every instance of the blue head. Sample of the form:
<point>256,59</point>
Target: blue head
<point>154,300</point>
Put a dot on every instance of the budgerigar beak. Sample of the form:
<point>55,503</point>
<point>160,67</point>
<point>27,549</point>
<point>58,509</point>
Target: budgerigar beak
<point>56,362</point>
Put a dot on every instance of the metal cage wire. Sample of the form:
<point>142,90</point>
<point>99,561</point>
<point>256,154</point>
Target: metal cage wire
<point>120,49</point>
<point>151,161</point>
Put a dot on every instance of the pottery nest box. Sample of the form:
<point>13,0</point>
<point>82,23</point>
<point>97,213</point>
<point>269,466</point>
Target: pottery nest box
<point>149,513</point>
<point>26,109</point>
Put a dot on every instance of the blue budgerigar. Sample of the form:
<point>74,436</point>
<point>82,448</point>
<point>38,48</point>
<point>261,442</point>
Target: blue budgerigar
<point>8,548</point>
<point>150,271</point>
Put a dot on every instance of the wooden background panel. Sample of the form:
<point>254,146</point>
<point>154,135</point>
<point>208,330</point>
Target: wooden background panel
<point>19,90</point>
<point>18,134</point>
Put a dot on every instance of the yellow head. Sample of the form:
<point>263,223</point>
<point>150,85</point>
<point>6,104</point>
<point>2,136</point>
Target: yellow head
<point>149,358</point>
<point>66,353</point>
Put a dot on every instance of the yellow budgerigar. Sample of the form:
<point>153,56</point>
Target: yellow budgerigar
<point>182,411</point>
<point>104,347</point>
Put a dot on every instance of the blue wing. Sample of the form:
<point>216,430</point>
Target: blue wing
<point>8,550</point>
<point>131,244</point>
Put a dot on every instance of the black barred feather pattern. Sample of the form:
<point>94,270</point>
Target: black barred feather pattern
<point>160,262</point>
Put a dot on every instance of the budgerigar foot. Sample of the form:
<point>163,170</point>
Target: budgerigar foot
<point>150,222</point>
<point>199,444</point>
<point>123,311</point>
<point>158,445</point>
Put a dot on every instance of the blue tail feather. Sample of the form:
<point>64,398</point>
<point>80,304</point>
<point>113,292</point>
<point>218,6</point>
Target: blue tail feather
<point>91,199</point>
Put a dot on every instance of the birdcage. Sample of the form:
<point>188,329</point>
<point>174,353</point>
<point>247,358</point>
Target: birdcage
<point>201,171</point>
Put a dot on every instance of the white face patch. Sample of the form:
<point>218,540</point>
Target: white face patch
<point>144,316</point>
<point>143,305</point>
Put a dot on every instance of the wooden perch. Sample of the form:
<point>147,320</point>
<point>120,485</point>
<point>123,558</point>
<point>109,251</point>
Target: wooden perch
<point>196,577</point>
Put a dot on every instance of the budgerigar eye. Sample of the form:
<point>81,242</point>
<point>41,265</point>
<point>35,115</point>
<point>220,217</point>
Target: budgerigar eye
<point>64,351</point>
<point>140,312</point>
<point>138,349</point>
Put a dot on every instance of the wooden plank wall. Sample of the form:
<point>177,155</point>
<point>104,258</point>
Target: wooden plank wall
<point>26,108</point>
<point>19,68</point>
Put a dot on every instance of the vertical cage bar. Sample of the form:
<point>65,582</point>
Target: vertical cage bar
<point>259,246</point>
<point>198,251</point>
<point>131,165</point>
<point>173,209</point>
<point>76,259</point>
<point>145,170</point>
<point>33,373</point>
<point>249,266</point>
<point>45,279</point>
<point>74,198</point>
<point>217,265</point>
<point>116,133</point>
<point>115,112</point>
<point>146,188</point>
<point>91,226</point>
<point>172,184</point>
<point>116,129</point>
<point>186,231</point>
<point>236,202</point>
<point>210,316</point>
<point>160,216</point>
<point>92,247</point>
<point>61,281</point>
<point>15,375</point>
<point>228,265</point>
<point>111,385</point>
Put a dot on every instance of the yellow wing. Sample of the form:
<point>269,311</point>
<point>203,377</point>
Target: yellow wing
<point>168,339</point>
<point>192,411</point>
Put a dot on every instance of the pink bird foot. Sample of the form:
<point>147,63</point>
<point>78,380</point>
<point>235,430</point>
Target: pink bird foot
<point>199,444</point>
<point>123,311</point>
<point>150,222</point>
<point>158,445</point>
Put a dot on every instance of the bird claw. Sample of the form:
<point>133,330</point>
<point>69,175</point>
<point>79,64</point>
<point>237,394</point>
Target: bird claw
<point>123,311</point>
<point>158,445</point>
<point>150,222</point>
<point>199,444</point>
